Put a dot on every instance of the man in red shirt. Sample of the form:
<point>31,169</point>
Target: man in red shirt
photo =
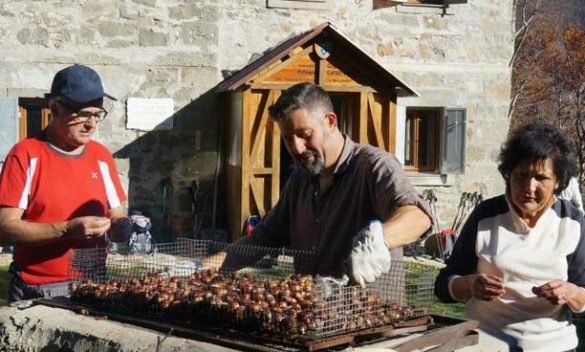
<point>60,190</point>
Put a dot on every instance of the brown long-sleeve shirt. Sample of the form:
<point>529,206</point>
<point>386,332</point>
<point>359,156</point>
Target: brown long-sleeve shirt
<point>368,184</point>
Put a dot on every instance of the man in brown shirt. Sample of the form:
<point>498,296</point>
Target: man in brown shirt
<point>330,205</point>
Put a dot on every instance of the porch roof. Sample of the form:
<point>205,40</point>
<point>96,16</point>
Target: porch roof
<point>245,75</point>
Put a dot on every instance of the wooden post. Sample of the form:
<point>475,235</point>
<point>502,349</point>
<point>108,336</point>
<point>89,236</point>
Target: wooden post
<point>363,123</point>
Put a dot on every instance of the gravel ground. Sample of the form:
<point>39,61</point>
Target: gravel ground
<point>427,260</point>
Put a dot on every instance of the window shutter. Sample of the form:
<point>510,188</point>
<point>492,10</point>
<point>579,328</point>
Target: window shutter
<point>453,141</point>
<point>9,123</point>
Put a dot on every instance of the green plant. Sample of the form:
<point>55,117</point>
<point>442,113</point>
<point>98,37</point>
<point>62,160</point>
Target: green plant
<point>4,283</point>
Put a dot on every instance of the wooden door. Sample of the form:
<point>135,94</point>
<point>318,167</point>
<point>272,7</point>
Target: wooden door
<point>34,116</point>
<point>260,154</point>
<point>366,117</point>
<point>376,123</point>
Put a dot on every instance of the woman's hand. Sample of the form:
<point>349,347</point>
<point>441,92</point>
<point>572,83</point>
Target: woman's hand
<point>559,292</point>
<point>480,286</point>
<point>486,287</point>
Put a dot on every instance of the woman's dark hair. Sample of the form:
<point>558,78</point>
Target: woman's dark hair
<point>536,142</point>
<point>301,96</point>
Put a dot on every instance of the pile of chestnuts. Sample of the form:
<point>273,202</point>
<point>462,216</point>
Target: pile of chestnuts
<point>286,307</point>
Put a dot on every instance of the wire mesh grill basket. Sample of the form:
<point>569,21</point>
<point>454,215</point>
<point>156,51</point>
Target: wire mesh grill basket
<point>250,289</point>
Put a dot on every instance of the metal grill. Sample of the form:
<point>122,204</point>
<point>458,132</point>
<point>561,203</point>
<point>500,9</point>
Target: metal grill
<point>259,290</point>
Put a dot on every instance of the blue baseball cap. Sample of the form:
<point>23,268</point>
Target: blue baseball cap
<point>79,84</point>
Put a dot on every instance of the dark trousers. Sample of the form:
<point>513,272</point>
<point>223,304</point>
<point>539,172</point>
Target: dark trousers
<point>19,290</point>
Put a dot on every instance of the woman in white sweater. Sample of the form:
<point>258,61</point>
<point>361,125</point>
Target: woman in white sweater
<point>519,262</point>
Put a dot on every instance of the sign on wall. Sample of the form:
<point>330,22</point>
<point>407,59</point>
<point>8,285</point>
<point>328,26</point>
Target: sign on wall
<point>147,114</point>
<point>305,70</point>
<point>9,123</point>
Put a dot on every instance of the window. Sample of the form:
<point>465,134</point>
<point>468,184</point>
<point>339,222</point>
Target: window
<point>34,116</point>
<point>434,140</point>
<point>421,138</point>
<point>300,4</point>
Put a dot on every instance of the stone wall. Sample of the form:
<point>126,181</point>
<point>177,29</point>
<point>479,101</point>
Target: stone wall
<point>179,49</point>
<point>459,60</point>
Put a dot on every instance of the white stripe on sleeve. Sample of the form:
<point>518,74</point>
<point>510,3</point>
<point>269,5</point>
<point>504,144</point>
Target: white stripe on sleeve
<point>23,204</point>
<point>113,199</point>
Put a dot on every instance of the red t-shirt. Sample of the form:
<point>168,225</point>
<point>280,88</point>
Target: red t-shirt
<point>51,186</point>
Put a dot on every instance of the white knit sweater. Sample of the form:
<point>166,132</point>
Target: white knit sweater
<point>496,241</point>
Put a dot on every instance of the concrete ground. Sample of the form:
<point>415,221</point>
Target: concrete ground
<point>42,328</point>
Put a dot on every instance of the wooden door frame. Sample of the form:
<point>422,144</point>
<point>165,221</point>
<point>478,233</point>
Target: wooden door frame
<point>437,131</point>
<point>23,114</point>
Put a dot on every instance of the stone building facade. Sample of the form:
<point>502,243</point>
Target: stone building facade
<point>454,57</point>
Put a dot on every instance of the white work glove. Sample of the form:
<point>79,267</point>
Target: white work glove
<point>369,258</point>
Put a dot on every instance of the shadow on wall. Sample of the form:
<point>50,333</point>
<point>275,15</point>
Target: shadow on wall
<point>166,164</point>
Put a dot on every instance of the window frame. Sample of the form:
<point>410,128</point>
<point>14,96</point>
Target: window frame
<point>434,167</point>
<point>24,106</point>
<point>300,4</point>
